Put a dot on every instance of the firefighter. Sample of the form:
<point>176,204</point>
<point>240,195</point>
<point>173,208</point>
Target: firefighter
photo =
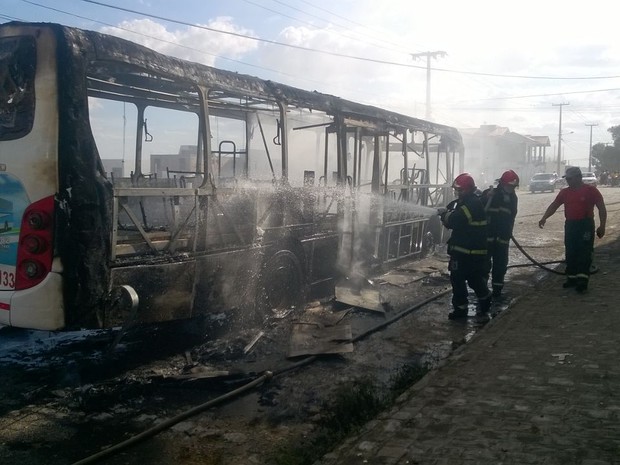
<point>467,247</point>
<point>500,205</point>
<point>579,200</point>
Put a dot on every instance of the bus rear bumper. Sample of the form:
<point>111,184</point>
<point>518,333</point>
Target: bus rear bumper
<point>40,307</point>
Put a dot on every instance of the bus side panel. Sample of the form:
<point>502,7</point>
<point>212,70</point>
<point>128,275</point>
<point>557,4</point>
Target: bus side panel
<point>33,311</point>
<point>85,196</point>
<point>321,257</point>
<point>227,281</point>
<point>13,201</point>
<point>165,292</point>
<point>171,291</point>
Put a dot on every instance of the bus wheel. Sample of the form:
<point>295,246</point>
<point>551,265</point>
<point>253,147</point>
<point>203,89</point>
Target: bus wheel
<point>429,240</point>
<point>428,244</point>
<point>280,285</point>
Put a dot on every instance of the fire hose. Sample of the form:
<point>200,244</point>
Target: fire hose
<point>257,381</point>
<point>542,265</point>
<point>534,262</point>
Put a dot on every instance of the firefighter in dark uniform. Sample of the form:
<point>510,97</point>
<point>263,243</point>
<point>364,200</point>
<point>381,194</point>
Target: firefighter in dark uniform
<point>579,200</point>
<point>500,205</point>
<point>467,247</point>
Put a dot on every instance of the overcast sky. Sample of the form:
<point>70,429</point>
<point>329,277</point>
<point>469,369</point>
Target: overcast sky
<point>508,64</point>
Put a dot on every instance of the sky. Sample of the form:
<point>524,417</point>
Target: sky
<point>505,64</point>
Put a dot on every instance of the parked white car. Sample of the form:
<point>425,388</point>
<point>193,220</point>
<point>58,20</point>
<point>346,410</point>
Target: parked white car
<point>589,178</point>
<point>543,182</point>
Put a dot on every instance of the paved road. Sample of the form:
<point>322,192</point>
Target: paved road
<point>538,385</point>
<point>48,415</point>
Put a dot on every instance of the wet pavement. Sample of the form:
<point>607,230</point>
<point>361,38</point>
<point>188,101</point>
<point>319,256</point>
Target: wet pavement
<point>538,385</point>
<point>61,401</point>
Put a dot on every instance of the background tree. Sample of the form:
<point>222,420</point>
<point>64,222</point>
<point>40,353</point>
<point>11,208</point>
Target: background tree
<point>607,157</point>
<point>615,135</point>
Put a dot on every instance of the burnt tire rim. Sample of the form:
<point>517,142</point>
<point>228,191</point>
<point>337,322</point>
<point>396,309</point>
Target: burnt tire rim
<point>281,283</point>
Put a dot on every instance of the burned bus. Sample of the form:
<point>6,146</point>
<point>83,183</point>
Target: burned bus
<point>231,192</point>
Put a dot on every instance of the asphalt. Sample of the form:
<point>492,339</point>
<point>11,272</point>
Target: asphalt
<point>539,384</point>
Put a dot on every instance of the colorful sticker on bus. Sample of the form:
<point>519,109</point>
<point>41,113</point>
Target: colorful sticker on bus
<point>13,202</point>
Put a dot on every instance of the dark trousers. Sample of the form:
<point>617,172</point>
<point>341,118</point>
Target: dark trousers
<point>497,262</point>
<point>469,270</point>
<point>579,247</point>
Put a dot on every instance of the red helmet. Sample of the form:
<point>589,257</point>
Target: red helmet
<point>510,177</point>
<point>464,182</point>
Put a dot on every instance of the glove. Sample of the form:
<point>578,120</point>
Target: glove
<point>452,205</point>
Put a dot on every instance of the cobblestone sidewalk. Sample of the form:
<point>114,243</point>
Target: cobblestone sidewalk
<point>539,385</point>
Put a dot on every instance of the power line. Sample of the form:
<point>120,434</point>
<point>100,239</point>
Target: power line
<point>159,39</point>
<point>522,109</point>
<point>244,36</point>
<point>370,29</point>
<point>281,73</point>
<point>542,95</point>
<point>448,117</point>
<point>341,55</point>
<point>391,49</point>
<point>10,18</point>
<point>277,71</point>
<point>347,20</point>
<point>338,16</point>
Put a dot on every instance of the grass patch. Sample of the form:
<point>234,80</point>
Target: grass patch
<point>404,378</point>
<point>353,405</point>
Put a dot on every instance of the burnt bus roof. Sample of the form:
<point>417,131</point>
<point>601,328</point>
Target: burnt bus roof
<point>145,70</point>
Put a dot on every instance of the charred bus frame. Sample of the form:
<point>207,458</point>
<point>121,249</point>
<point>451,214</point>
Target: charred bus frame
<point>211,237</point>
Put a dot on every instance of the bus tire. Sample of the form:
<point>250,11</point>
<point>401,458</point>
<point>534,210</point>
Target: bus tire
<point>281,285</point>
<point>431,236</point>
<point>428,244</point>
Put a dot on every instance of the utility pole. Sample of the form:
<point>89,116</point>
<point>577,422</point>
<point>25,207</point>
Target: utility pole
<point>428,56</point>
<point>560,136</point>
<point>590,151</point>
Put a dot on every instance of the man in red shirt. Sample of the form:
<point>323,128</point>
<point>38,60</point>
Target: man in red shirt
<point>579,200</point>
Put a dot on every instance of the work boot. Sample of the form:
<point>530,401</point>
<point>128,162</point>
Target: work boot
<point>458,312</point>
<point>485,304</point>
<point>570,282</point>
<point>581,286</point>
<point>497,292</point>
